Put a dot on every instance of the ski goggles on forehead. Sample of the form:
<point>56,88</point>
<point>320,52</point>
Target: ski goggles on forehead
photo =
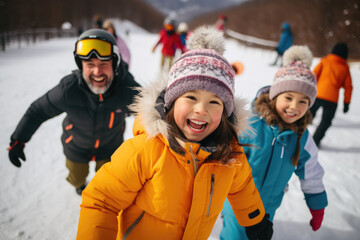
<point>169,27</point>
<point>86,47</point>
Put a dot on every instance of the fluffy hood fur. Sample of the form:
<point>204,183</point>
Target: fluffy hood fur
<point>145,107</point>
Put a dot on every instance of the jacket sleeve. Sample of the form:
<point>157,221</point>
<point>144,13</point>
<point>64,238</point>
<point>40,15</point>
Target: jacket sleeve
<point>244,197</point>
<point>113,188</point>
<point>317,70</point>
<point>347,88</point>
<point>46,107</point>
<point>311,173</point>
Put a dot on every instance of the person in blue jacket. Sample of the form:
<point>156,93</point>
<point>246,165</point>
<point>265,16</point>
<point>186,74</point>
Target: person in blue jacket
<point>281,144</point>
<point>286,40</point>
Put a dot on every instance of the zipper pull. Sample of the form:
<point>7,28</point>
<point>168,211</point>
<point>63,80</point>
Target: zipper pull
<point>195,160</point>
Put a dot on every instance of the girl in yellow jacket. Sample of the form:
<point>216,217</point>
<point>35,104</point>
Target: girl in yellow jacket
<point>170,181</point>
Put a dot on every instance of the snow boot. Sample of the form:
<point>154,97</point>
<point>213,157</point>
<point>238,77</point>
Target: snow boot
<point>80,189</point>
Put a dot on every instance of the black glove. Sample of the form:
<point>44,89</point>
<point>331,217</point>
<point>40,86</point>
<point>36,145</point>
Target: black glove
<point>16,151</point>
<point>346,107</point>
<point>262,231</point>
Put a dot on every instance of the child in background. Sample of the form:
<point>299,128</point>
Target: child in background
<point>286,40</point>
<point>170,181</point>
<point>123,48</point>
<point>183,30</point>
<point>170,41</point>
<point>221,22</point>
<point>332,74</point>
<point>282,144</point>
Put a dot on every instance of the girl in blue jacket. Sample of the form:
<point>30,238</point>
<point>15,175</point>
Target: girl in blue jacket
<point>281,143</point>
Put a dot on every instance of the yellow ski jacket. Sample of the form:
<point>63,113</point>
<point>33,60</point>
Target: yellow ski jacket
<point>148,191</point>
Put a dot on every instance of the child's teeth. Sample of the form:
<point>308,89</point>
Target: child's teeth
<point>196,122</point>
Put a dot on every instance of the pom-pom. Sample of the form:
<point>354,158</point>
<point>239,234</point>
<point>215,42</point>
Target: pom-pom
<point>298,53</point>
<point>207,37</point>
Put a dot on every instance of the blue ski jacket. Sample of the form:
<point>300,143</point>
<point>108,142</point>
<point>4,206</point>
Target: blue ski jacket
<point>270,158</point>
<point>286,39</point>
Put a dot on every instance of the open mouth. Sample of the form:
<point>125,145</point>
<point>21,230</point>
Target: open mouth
<point>290,115</point>
<point>196,125</point>
<point>99,79</point>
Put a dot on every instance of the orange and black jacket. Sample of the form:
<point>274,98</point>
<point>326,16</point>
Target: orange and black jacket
<point>94,124</point>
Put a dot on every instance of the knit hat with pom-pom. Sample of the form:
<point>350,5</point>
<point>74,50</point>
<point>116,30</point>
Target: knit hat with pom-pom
<point>295,75</point>
<point>202,68</point>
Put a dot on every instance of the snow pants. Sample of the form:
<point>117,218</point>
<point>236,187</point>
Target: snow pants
<point>168,60</point>
<point>79,171</point>
<point>328,114</point>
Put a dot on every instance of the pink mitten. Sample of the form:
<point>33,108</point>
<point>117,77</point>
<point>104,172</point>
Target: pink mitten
<point>317,217</point>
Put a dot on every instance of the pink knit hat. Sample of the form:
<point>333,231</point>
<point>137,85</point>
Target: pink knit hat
<point>202,68</point>
<point>295,75</point>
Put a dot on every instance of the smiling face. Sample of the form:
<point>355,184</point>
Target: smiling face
<point>97,74</point>
<point>291,106</point>
<point>198,114</point>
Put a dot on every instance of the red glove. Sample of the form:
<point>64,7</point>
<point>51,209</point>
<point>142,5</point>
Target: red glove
<point>317,217</point>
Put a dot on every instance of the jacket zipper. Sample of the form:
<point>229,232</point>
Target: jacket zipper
<point>212,183</point>
<point>194,160</point>
<point>268,165</point>
<point>133,225</point>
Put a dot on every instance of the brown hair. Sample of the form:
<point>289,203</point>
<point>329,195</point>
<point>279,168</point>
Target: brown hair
<point>267,109</point>
<point>222,137</point>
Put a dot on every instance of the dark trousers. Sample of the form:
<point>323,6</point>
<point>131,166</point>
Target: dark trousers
<point>329,110</point>
<point>279,56</point>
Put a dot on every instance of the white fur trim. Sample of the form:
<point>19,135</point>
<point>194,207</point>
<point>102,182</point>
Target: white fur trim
<point>242,115</point>
<point>144,104</point>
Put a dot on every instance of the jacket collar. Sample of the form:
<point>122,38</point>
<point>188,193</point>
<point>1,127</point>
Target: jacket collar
<point>337,58</point>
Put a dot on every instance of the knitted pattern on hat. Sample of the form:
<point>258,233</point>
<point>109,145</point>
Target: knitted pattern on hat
<point>295,75</point>
<point>203,68</point>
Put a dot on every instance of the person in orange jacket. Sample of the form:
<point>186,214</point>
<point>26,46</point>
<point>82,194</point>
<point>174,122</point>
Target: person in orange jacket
<point>171,180</point>
<point>332,73</point>
<point>170,41</point>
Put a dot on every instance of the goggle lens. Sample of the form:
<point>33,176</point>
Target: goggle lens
<point>86,46</point>
<point>169,27</point>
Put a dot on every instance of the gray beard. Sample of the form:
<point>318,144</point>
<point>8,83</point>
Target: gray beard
<point>96,90</point>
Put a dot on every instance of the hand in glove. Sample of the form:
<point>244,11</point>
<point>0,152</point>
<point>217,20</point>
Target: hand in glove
<point>153,49</point>
<point>317,217</point>
<point>262,231</point>
<point>346,107</point>
<point>16,152</point>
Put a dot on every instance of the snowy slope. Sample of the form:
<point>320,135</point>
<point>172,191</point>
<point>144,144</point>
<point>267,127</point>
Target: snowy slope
<point>36,202</point>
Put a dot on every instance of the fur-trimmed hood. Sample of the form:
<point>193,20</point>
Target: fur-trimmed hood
<point>147,107</point>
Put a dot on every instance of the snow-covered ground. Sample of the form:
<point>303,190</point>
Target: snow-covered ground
<point>36,202</point>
